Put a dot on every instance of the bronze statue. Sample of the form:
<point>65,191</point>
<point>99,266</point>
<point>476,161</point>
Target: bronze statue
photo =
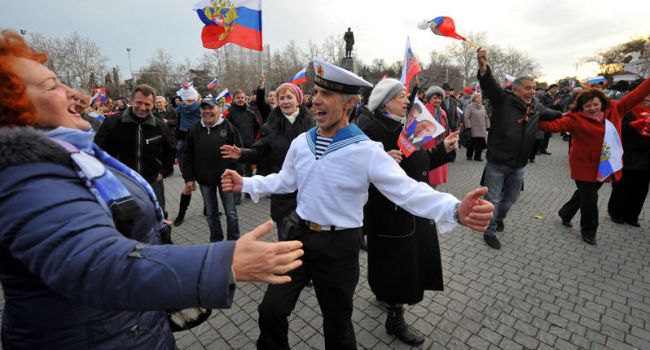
<point>349,42</point>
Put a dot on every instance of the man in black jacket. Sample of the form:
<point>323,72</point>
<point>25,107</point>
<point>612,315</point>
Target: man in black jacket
<point>513,127</point>
<point>202,163</point>
<point>140,140</point>
<point>248,126</point>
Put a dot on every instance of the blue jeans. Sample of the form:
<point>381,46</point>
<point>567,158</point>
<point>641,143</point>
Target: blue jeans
<point>504,184</point>
<point>209,194</point>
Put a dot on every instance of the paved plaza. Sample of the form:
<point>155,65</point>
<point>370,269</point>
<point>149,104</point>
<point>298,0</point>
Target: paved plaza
<point>545,289</point>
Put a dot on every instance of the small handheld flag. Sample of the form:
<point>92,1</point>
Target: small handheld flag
<point>223,97</point>
<point>411,66</point>
<point>444,26</point>
<point>300,77</point>
<point>99,94</point>
<point>213,84</point>
<point>420,129</point>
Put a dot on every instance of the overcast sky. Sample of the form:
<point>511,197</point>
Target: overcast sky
<point>556,33</point>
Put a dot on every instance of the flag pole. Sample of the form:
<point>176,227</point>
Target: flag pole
<point>472,44</point>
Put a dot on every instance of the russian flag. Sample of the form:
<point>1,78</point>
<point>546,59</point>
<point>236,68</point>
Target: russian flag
<point>238,22</point>
<point>300,77</point>
<point>611,154</point>
<point>213,84</point>
<point>99,93</point>
<point>411,66</point>
<point>224,97</point>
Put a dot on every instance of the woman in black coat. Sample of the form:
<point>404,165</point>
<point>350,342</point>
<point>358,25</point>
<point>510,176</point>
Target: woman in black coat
<point>288,120</point>
<point>403,252</point>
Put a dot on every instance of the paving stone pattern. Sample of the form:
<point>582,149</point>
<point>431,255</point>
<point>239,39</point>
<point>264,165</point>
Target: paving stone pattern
<point>545,289</point>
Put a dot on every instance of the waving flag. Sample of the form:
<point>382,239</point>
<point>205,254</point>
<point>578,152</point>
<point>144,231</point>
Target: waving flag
<point>444,26</point>
<point>213,84</point>
<point>611,154</point>
<point>411,66</point>
<point>231,21</point>
<point>224,97</point>
<point>100,95</point>
<point>300,77</point>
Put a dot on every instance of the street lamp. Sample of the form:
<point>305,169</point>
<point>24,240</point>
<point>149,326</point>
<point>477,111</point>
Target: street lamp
<point>128,52</point>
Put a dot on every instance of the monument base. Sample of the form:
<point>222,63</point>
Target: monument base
<point>349,64</point>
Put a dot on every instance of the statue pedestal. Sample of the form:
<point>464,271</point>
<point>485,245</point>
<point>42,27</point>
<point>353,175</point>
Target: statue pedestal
<point>348,63</point>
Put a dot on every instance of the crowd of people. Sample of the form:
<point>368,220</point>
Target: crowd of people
<point>329,161</point>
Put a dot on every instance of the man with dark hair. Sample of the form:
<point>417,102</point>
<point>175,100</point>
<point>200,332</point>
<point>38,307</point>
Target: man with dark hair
<point>140,140</point>
<point>203,163</point>
<point>248,126</point>
<point>513,127</point>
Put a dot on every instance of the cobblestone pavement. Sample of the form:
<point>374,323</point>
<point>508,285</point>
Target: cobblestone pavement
<point>545,289</point>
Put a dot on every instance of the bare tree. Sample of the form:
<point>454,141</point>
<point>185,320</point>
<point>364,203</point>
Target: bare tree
<point>160,72</point>
<point>512,62</point>
<point>612,61</point>
<point>74,58</point>
<point>463,56</point>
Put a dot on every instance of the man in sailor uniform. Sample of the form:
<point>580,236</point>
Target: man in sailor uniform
<point>332,166</point>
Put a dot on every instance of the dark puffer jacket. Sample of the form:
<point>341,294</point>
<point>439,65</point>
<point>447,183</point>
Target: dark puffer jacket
<point>70,279</point>
<point>246,123</point>
<point>513,125</point>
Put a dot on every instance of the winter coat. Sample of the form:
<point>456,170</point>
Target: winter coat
<point>269,153</point>
<point>450,105</point>
<point>587,134</point>
<point>477,120</point>
<point>70,279</point>
<point>246,123</point>
<point>202,161</point>
<point>403,249</point>
<point>187,116</point>
<point>170,116</point>
<point>146,147</point>
<point>514,124</point>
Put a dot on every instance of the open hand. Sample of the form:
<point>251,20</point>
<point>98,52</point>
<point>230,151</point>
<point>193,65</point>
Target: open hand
<point>256,260</point>
<point>230,152</point>
<point>475,212</point>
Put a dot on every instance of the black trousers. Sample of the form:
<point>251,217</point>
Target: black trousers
<point>536,147</point>
<point>585,198</point>
<point>547,136</point>
<point>331,261</point>
<point>476,147</point>
<point>628,195</point>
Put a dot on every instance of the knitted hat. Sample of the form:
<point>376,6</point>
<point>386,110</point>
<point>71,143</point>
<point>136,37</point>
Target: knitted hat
<point>297,91</point>
<point>383,92</point>
<point>434,90</point>
<point>468,90</point>
<point>188,92</point>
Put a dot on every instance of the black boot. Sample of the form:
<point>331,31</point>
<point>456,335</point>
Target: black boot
<point>395,325</point>
<point>182,208</point>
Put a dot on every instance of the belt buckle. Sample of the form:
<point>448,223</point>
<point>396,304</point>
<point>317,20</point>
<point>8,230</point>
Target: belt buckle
<point>315,227</point>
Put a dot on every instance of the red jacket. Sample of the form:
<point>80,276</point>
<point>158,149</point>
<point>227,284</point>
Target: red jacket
<point>587,134</point>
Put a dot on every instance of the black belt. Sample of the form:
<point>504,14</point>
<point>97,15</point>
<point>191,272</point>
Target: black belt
<point>319,228</point>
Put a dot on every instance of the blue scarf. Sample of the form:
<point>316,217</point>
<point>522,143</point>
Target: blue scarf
<point>344,137</point>
<point>90,162</point>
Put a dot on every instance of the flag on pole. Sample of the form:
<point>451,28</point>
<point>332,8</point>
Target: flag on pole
<point>213,84</point>
<point>611,153</point>
<point>224,97</point>
<point>411,66</point>
<point>444,26</point>
<point>300,77</point>
<point>237,21</point>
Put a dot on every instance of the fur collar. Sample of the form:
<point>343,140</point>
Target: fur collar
<point>23,145</point>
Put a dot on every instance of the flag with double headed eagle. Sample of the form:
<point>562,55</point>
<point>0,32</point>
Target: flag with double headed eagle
<point>611,153</point>
<point>231,21</point>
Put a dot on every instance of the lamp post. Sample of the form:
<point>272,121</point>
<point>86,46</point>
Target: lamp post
<point>128,52</point>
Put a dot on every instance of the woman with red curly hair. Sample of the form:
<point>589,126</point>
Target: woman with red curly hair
<point>586,122</point>
<point>80,263</point>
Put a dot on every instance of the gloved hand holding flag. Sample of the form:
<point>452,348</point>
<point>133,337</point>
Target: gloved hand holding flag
<point>444,26</point>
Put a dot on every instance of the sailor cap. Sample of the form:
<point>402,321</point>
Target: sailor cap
<point>337,79</point>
